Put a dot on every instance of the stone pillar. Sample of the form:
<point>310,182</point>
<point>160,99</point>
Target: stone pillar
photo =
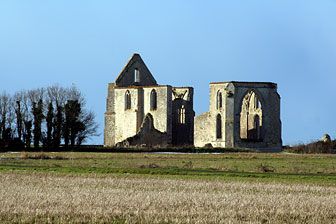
<point>229,116</point>
<point>109,130</point>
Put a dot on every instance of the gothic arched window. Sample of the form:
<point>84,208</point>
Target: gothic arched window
<point>153,100</point>
<point>127,100</point>
<point>219,126</point>
<point>181,115</point>
<point>251,117</point>
<point>219,100</point>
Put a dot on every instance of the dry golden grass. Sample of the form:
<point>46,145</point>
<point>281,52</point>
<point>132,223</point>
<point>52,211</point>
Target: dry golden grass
<point>59,198</point>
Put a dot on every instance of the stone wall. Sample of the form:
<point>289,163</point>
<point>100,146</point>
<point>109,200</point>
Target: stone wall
<point>229,115</point>
<point>182,116</point>
<point>203,129</point>
<point>121,124</point>
<point>147,136</point>
<point>206,123</point>
<point>162,114</point>
<point>126,121</point>
<point>109,135</point>
<point>135,73</point>
<point>256,124</point>
<point>270,101</point>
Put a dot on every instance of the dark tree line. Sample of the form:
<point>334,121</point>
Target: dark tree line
<point>45,117</point>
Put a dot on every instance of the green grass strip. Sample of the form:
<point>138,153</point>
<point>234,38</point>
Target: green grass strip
<point>322,179</point>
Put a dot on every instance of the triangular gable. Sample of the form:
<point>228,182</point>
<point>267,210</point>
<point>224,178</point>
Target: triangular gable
<point>135,73</point>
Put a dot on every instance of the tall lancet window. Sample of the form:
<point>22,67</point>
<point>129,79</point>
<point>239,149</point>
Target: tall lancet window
<point>219,126</point>
<point>136,75</point>
<point>153,100</point>
<point>219,100</point>
<point>181,115</point>
<point>127,100</point>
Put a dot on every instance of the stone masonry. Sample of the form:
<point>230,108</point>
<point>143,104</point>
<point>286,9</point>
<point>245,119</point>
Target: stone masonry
<point>134,95</point>
<point>241,115</point>
<point>140,112</point>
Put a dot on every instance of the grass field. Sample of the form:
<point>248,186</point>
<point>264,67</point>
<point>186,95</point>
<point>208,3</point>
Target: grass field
<point>167,188</point>
<point>310,168</point>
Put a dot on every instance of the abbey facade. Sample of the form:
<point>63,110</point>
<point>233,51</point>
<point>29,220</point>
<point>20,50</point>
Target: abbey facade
<point>140,112</point>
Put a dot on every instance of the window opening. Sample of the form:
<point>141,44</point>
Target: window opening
<point>127,100</point>
<point>219,126</point>
<point>251,122</point>
<point>181,115</point>
<point>153,100</point>
<point>136,75</point>
<point>219,100</point>
<point>256,102</point>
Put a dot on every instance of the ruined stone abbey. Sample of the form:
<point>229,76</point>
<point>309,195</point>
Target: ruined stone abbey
<point>139,112</point>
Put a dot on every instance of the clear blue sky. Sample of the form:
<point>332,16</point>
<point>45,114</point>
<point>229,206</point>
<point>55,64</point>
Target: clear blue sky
<point>184,43</point>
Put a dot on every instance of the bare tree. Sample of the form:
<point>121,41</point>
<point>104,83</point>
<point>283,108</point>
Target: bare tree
<point>74,94</point>
<point>56,95</point>
<point>90,126</point>
<point>79,123</point>
<point>36,100</point>
<point>46,115</point>
<point>19,112</point>
<point>27,118</point>
<point>6,117</point>
<point>49,121</point>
